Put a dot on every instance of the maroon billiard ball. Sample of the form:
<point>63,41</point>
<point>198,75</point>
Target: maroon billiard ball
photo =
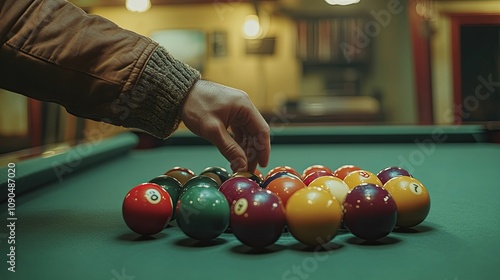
<point>234,187</point>
<point>257,218</point>
<point>370,212</point>
<point>316,174</point>
<point>390,172</point>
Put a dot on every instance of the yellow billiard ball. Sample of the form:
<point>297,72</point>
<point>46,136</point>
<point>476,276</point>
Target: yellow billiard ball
<point>412,200</point>
<point>358,177</point>
<point>313,216</point>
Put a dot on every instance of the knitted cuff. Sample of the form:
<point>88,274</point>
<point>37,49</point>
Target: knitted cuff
<point>160,90</point>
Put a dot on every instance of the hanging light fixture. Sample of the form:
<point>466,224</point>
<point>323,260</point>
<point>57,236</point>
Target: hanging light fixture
<point>251,27</point>
<point>138,5</point>
<point>342,2</point>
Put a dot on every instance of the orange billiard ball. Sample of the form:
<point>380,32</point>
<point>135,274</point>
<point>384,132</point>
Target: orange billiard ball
<point>313,216</point>
<point>412,200</point>
<point>285,187</point>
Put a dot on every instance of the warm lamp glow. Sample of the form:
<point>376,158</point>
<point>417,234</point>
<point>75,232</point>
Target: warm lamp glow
<point>342,2</point>
<point>138,5</point>
<point>251,27</point>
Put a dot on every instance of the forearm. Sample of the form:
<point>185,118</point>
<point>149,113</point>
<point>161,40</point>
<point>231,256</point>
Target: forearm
<point>53,51</point>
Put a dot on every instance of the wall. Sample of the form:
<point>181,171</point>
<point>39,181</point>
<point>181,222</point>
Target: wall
<point>271,79</point>
<point>262,77</point>
<point>441,53</point>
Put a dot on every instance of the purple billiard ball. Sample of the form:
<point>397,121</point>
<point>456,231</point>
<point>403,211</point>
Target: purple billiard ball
<point>258,218</point>
<point>390,172</point>
<point>370,212</point>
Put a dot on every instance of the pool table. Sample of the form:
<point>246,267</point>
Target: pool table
<point>65,210</point>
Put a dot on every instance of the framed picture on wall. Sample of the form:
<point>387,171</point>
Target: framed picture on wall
<point>189,46</point>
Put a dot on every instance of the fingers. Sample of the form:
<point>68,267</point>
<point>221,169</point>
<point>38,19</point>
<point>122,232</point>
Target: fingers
<point>229,148</point>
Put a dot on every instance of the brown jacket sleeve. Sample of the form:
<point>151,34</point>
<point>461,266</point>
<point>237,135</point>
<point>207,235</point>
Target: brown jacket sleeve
<point>54,51</point>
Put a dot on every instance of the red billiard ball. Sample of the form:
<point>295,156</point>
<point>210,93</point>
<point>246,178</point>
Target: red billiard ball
<point>171,185</point>
<point>344,170</point>
<point>390,172</point>
<point>257,218</point>
<point>370,212</point>
<point>234,187</point>
<point>147,209</point>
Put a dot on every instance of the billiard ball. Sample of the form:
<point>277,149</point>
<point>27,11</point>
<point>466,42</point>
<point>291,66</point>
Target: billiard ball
<point>370,212</point>
<point>172,186</point>
<point>342,171</point>
<point>336,186</point>
<point>314,168</point>
<point>248,175</point>
<point>180,173</point>
<point>276,175</point>
<point>390,172</point>
<point>316,174</point>
<point>233,187</point>
<point>198,181</point>
<point>147,209</point>
<point>313,216</point>
<point>282,168</point>
<point>219,174</point>
<point>257,218</point>
<point>412,200</point>
<point>284,187</point>
<point>359,177</point>
<point>203,213</point>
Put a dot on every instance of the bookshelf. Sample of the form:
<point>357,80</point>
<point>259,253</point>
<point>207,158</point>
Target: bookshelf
<point>336,41</point>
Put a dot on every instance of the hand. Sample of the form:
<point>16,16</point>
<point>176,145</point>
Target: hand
<point>210,109</point>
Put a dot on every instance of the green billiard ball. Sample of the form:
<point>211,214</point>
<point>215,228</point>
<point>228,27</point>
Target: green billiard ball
<point>198,181</point>
<point>203,213</point>
<point>171,185</point>
<point>250,175</point>
<point>218,173</point>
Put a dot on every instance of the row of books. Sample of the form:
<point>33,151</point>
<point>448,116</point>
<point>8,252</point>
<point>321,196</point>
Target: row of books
<point>332,40</point>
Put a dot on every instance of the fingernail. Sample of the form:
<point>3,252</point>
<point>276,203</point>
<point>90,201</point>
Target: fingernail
<point>238,164</point>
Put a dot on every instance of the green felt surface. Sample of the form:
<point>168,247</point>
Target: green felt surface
<point>73,229</point>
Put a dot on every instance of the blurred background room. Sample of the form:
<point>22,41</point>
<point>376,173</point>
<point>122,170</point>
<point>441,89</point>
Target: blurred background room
<point>307,62</point>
